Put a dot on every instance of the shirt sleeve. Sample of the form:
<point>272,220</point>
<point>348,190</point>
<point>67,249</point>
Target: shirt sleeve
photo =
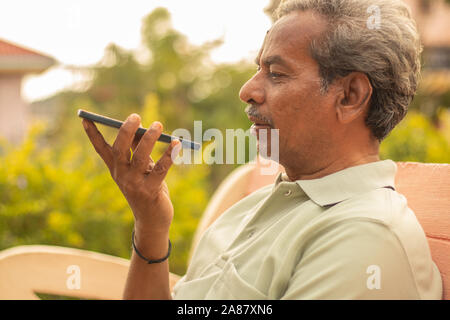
<point>353,260</point>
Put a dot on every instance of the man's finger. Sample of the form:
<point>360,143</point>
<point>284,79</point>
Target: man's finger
<point>99,143</point>
<point>163,165</point>
<point>136,140</point>
<point>122,144</point>
<point>141,156</point>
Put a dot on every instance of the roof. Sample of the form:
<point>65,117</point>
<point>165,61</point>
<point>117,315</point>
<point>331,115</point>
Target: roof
<point>17,59</point>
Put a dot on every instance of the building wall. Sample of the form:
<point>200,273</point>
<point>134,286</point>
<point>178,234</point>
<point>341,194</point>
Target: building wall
<point>13,110</point>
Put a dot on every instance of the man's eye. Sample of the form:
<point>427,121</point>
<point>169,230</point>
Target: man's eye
<point>275,75</point>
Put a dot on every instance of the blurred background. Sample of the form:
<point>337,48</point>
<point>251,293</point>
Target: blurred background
<point>174,61</point>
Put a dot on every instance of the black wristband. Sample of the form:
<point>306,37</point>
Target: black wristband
<point>148,260</point>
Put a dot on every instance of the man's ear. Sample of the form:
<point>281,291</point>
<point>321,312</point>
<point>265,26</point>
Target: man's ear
<point>353,98</point>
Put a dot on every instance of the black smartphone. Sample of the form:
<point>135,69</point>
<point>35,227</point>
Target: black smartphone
<point>117,124</point>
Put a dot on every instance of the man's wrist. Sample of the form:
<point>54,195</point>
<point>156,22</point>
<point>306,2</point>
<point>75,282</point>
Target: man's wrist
<point>153,246</point>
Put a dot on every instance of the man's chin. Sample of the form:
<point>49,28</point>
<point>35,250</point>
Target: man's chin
<point>266,151</point>
<point>268,160</point>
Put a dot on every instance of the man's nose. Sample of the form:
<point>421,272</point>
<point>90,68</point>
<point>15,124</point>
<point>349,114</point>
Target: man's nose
<point>252,91</point>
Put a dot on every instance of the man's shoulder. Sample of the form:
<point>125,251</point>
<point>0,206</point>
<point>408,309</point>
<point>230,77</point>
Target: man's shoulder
<point>383,206</point>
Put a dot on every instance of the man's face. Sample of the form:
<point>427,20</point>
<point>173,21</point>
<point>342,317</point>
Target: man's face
<point>285,91</point>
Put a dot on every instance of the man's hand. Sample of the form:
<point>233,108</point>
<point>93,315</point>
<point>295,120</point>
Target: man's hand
<point>142,183</point>
<point>140,180</point>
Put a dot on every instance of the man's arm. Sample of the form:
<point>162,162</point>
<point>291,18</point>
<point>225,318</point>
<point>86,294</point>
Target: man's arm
<point>149,281</point>
<point>141,181</point>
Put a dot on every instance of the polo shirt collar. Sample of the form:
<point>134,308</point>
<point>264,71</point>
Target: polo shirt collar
<point>347,183</point>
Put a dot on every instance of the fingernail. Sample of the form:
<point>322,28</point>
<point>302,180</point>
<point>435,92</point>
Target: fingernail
<point>134,117</point>
<point>85,125</point>
<point>156,125</point>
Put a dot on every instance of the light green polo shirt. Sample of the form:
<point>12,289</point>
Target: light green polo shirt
<point>342,236</point>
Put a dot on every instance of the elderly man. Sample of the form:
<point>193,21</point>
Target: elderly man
<point>334,83</point>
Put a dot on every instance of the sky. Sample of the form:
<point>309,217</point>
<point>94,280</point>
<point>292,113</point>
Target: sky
<point>76,33</point>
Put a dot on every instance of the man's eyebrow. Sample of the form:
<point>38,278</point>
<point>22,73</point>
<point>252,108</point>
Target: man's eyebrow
<point>272,60</point>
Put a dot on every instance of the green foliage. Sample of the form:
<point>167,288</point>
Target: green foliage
<point>433,94</point>
<point>416,139</point>
<point>56,190</point>
<point>60,197</point>
<point>65,196</point>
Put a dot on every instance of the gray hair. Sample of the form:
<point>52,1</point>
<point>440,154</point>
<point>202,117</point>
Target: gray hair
<point>388,54</point>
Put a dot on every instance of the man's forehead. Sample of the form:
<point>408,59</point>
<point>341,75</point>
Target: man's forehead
<point>291,34</point>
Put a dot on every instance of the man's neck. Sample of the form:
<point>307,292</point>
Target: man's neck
<point>336,165</point>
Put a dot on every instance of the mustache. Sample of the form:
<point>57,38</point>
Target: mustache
<point>251,110</point>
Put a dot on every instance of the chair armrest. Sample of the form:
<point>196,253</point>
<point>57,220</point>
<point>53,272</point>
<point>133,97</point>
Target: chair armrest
<point>25,270</point>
